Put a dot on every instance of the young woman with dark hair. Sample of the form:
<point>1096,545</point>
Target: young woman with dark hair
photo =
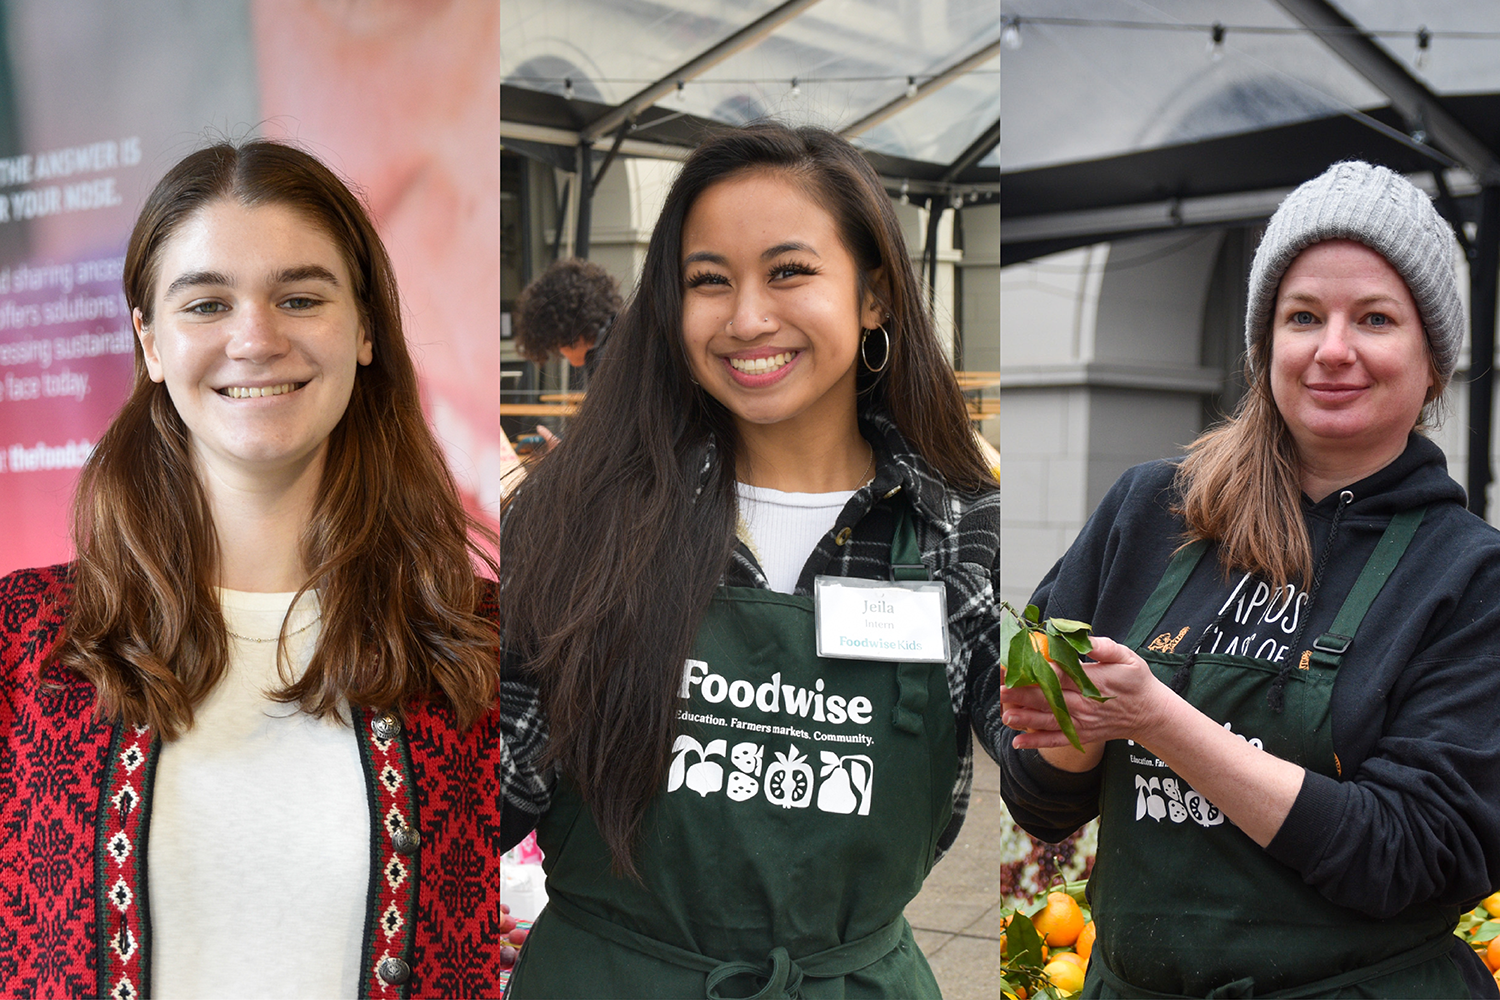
<point>271,668</point>
<point>773,423</point>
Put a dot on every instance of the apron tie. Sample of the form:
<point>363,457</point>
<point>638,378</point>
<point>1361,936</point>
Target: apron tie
<point>782,973</point>
<point>783,982</point>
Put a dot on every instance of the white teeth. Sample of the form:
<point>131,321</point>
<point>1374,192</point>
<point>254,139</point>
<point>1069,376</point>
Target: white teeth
<point>759,366</point>
<point>253,392</point>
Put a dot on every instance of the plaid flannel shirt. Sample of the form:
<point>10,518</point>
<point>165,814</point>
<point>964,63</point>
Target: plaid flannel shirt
<point>959,538</point>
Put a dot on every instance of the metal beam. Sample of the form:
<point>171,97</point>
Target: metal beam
<point>1408,95</point>
<point>1484,284</point>
<point>937,83</point>
<point>563,137</point>
<point>1102,224</point>
<point>700,64</point>
<point>978,150</point>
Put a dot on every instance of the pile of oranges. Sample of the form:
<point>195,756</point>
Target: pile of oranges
<point>1481,928</point>
<point>1067,940</point>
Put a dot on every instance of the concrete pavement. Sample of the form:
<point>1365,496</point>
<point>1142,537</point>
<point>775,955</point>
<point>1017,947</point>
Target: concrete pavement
<point>956,916</point>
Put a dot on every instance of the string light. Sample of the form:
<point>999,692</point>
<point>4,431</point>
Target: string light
<point>681,92</point>
<point>568,88</point>
<point>1010,35</point>
<point>796,89</point>
<point>1424,41</point>
<point>905,186</point>
<point>911,87</point>
<point>1216,42</point>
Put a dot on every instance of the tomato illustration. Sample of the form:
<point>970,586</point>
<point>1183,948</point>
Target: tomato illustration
<point>789,781</point>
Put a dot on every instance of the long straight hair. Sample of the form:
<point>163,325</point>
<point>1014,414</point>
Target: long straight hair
<point>389,542</point>
<point>612,547</point>
<point>1241,482</point>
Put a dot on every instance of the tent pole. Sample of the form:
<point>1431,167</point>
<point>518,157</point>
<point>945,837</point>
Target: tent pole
<point>585,172</point>
<point>1484,281</point>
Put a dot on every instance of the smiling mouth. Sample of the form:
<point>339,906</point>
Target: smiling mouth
<point>762,366</point>
<point>256,391</point>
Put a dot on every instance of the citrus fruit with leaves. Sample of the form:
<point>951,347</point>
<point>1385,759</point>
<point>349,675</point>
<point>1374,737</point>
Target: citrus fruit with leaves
<point>1085,943</point>
<point>1060,921</point>
<point>1031,647</point>
<point>1064,976</point>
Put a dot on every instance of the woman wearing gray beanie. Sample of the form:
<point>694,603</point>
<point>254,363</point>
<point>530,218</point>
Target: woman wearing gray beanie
<point>1298,772</point>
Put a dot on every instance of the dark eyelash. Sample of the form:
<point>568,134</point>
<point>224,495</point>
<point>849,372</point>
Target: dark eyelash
<point>793,267</point>
<point>701,278</point>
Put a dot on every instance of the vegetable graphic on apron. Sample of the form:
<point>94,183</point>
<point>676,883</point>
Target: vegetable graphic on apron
<point>703,777</point>
<point>789,781</point>
<point>747,758</point>
<point>836,793</point>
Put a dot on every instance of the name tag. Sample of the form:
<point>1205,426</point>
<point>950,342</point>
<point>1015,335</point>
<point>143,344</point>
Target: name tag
<point>881,619</point>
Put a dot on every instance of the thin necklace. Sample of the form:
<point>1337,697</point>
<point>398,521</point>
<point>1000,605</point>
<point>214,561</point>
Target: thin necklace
<point>251,638</point>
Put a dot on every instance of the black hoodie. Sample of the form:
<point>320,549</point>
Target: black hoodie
<point>1415,816</point>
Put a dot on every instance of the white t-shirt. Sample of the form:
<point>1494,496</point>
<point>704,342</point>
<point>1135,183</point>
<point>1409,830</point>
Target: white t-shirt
<point>782,529</point>
<point>259,852</point>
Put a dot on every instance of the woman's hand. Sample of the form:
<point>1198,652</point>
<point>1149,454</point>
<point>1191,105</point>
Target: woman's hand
<point>1137,701</point>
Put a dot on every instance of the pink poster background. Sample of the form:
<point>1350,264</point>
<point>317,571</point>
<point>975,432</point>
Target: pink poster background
<point>400,97</point>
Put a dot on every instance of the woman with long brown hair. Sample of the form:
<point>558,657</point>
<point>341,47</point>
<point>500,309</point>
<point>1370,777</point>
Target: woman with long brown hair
<point>1297,775</point>
<point>271,669</point>
<point>736,710</point>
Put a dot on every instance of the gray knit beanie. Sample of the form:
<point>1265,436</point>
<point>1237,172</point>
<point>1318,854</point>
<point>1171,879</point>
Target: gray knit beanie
<point>1387,213</point>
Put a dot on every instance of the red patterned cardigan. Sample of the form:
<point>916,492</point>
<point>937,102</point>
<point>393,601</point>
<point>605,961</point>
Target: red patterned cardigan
<point>75,809</point>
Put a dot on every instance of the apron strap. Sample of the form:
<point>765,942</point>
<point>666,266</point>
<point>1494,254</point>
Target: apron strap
<point>782,974</point>
<point>906,557</point>
<point>1328,649</point>
<point>911,678</point>
<point>1184,561</point>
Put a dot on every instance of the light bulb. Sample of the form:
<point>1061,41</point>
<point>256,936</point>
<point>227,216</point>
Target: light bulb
<point>1216,43</point>
<point>681,92</point>
<point>796,89</point>
<point>1010,35</point>
<point>1424,43</point>
<point>911,87</point>
<point>905,186</point>
<point>568,88</point>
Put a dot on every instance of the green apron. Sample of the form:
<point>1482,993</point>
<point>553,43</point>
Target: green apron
<point>1186,903</point>
<point>801,814</point>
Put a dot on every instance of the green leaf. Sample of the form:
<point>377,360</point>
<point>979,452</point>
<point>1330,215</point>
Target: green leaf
<point>1078,640</point>
<point>1052,689</point>
<point>1010,627</point>
<point>1074,669</point>
<point>1022,943</point>
<point>1488,931</point>
<point>1066,625</point>
<point>1020,661</point>
<point>1033,614</point>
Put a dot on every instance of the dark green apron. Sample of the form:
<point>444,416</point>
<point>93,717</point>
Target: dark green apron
<point>1187,904</point>
<point>801,814</point>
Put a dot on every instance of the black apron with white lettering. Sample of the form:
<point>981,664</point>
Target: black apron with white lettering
<point>1188,905</point>
<point>801,813</point>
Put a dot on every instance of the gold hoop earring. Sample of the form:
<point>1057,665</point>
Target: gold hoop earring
<point>885,354</point>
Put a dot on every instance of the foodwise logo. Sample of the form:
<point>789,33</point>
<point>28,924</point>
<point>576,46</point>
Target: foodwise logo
<point>774,697</point>
<point>843,785</point>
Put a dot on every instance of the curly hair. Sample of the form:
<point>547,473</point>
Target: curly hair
<point>570,300</point>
